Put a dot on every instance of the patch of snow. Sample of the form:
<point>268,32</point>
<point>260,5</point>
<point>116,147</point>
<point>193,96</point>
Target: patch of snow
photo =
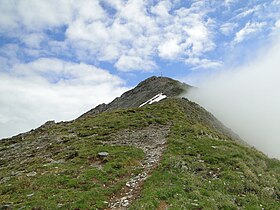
<point>156,98</point>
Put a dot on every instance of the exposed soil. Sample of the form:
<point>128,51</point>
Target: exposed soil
<point>162,206</point>
<point>152,140</point>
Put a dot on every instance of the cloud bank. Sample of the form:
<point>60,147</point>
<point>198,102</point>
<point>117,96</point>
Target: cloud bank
<point>247,99</point>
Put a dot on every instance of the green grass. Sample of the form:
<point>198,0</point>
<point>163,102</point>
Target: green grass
<point>74,183</point>
<point>204,173</point>
<point>202,167</point>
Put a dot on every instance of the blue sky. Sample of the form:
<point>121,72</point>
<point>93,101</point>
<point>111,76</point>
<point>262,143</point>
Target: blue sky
<point>60,58</point>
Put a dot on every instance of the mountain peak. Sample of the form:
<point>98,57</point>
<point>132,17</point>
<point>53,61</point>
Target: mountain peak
<point>143,92</point>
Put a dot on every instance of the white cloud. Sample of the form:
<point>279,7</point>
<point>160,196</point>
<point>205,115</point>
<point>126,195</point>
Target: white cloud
<point>126,63</point>
<point>95,32</point>
<point>88,11</point>
<point>188,34</point>
<point>247,30</point>
<point>247,99</point>
<point>162,9</point>
<point>277,24</point>
<point>116,4</point>
<point>203,63</point>
<point>31,93</point>
<point>36,15</point>
<point>136,28</point>
<point>116,39</point>
<point>33,40</point>
<point>8,19</point>
<point>169,49</point>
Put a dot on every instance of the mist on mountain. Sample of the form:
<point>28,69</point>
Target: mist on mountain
<point>248,100</point>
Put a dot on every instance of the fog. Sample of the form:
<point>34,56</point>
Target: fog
<point>247,99</point>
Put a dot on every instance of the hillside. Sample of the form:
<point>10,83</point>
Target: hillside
<point>171,154</point>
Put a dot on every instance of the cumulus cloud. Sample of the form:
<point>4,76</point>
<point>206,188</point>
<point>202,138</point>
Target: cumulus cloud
<point>169,49</point>
<point>110,31</point>
<point>162,9</point>
<point>31,93</point>
<point>247,99</point>
<point>126,63</point>
<point>33,15</point>
<point>203,63</point>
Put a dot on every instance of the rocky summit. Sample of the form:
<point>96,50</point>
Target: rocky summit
<point>142,93</point>
<point>148,149</point>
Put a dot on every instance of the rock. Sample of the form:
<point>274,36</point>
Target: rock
<point>5,179</point>
<point>59,205</point>
<point>33,173</point>
<point>96,165</point>
<point>5,207</point>
<point>143,175</point>
<point>125,203</point>
<point>103,154</point>
<point>128,185</point>
<point>50,122</point>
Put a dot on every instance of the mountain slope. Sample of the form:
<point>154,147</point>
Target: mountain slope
<point>170,154</point>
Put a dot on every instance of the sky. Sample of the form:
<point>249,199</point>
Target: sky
<point>59,59</point>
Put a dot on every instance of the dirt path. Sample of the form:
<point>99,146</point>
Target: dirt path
<point>152,141</point>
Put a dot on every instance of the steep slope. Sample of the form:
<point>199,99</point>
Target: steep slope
<point>170,154</point>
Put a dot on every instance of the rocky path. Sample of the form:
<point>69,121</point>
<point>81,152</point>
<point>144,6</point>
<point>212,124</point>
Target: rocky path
<point>152,141</point>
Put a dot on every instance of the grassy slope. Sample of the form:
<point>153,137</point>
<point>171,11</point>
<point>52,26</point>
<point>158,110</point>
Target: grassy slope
<point>201,168</point>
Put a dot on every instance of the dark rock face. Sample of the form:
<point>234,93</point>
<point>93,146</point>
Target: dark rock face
<point>143,92</point>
